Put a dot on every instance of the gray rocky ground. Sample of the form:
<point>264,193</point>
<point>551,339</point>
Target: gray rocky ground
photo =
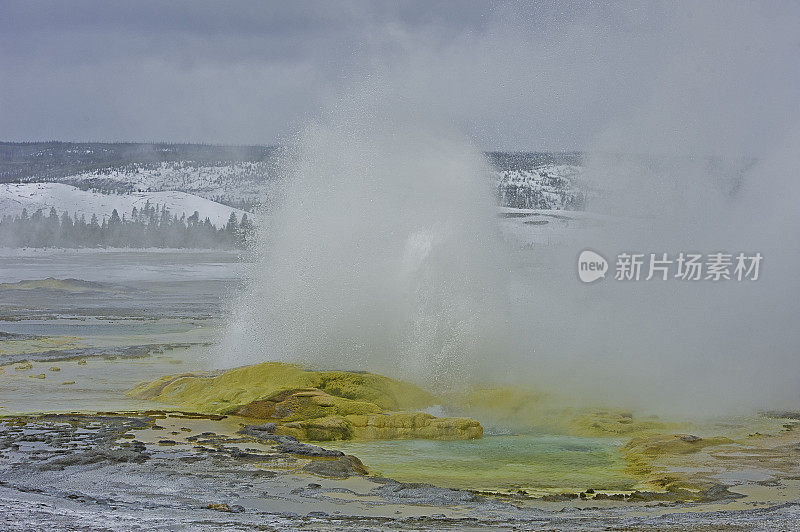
<point>164,471</point>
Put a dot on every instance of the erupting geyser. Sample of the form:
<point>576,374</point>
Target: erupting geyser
<point>380,254</point>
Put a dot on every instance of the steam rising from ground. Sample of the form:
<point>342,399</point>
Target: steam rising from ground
<point>677,347</point>
<point>381,256</point>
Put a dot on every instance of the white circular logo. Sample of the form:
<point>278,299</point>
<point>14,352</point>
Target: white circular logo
<point>591,266</point>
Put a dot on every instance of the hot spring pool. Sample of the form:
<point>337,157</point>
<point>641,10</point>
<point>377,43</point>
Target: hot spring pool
<point>532,461</point>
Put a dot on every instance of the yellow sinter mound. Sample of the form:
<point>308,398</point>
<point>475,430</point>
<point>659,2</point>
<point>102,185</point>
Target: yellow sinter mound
<point>312,405</point>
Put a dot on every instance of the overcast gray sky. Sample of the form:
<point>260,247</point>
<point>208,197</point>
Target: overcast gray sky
<point>544,75</point>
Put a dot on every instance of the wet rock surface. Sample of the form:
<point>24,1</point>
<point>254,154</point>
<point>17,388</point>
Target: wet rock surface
<point>339,467</point>
<point>56,441</point>
<point>286,444</point>
<point>422,493</point>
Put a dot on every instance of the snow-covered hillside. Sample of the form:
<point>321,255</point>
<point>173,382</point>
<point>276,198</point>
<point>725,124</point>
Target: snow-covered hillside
<point>551,186</point>
<point>244,177</point>
<point>243,182</point>
<point>62,197</point>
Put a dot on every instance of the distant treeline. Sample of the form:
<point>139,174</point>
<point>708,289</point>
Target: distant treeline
<point>152,226</point>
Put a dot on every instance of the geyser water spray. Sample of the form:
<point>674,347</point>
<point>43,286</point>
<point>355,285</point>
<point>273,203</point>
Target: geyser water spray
<point>381,254</point>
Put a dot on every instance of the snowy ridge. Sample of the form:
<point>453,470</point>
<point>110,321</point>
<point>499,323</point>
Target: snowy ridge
<point>245,183</point>
<point>34,196</point>
<point>245,177</point>
<point>547,187</point>
<point>238,182</point>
